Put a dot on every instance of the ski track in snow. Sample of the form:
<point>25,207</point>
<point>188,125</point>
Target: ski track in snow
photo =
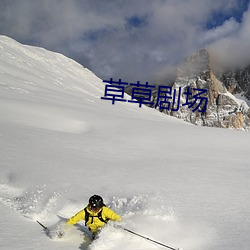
<point>145,214</point>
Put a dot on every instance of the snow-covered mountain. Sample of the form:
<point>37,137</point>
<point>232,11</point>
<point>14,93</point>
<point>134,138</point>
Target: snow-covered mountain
<point>224,108</point>
<point>182,185</point>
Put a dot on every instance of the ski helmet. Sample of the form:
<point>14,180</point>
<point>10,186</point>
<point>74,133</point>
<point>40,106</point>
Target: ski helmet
<point>95,202</point>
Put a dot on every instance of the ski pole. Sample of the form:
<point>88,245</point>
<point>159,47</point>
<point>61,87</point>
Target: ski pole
<point>45,228</point>
<point>146,238</point>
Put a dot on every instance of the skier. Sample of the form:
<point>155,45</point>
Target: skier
<point>95,214</point>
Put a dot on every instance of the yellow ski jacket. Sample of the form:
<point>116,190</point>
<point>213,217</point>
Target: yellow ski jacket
<point>94,223</point>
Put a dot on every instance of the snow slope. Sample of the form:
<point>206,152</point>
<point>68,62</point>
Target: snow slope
<point>176,183</point>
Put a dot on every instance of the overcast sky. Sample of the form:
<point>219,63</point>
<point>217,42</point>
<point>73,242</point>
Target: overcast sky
<point>131,39</point>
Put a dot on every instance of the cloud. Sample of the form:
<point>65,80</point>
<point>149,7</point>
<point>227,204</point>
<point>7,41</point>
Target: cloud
<point>132,40</point>
<point>233,49</point>
<point>228,28</point>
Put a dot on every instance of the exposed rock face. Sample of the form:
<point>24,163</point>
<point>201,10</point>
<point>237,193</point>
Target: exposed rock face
<point>223,109</point>
<point>237,81</point>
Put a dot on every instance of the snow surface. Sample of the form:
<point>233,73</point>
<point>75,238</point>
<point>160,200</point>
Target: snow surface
<point>182,185</point>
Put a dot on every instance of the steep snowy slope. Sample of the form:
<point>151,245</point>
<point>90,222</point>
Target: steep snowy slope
<point>179,184</point>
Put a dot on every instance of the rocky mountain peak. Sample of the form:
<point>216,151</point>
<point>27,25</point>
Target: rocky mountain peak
<point>223,108</point>
<point>196,64</point>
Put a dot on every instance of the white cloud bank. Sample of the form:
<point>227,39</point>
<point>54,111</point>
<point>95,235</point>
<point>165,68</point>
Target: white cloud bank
<point>132,40</point>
